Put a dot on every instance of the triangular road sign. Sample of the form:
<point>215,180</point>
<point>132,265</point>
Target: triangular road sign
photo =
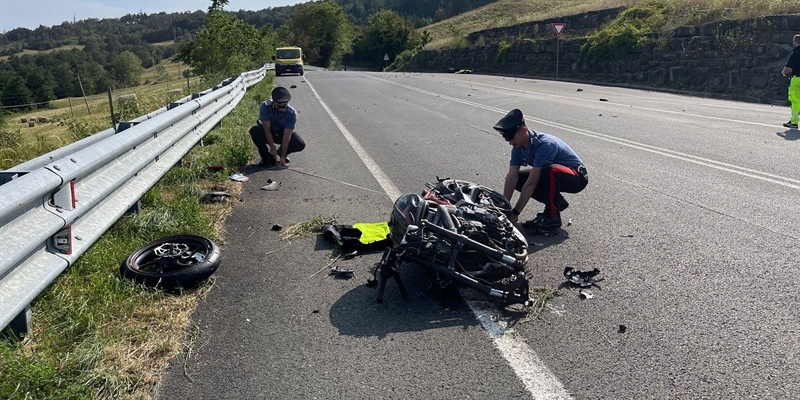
<point>559,27</point>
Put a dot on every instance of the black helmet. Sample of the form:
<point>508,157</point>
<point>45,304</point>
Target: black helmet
<point>281,95</point>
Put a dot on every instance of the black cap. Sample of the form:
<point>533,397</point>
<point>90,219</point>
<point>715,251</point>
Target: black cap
<point>281,95</point>
<point>508,125</point>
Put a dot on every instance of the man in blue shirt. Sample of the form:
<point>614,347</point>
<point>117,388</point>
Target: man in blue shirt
<point>792,69</point>
<point>277,120</point>
<point>554,168</point>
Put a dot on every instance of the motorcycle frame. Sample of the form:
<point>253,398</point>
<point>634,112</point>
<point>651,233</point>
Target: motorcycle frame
<point>393,256</point>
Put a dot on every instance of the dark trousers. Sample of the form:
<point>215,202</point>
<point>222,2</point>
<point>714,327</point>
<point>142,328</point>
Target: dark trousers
<point>296,143</point>
<point>554,180</point>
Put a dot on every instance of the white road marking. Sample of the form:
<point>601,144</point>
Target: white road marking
<point>376,171</point>
<point>535,376</point>
<point>707,162</point>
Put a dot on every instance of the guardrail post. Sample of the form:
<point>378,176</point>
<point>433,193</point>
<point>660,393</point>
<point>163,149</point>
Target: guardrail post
<point>21,324</point>
<point>125,125</point>
<point>7,176</point>
<point>136,208</point>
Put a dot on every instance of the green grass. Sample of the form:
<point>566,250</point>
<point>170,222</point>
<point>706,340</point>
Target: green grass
<point>98,336</point>
<point>74,118</point>
<point>33,52</point>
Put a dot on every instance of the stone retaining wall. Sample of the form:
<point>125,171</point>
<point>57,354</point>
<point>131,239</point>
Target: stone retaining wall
<point>730,59</point>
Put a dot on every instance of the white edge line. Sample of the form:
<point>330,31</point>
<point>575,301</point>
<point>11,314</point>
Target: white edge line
<point>535,376</point>
<point>743,171</point>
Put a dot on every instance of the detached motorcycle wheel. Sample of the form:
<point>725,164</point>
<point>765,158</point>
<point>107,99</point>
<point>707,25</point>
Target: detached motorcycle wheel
<point>181,261</point>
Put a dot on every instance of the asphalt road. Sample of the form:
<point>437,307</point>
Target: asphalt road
<point>690,214</point>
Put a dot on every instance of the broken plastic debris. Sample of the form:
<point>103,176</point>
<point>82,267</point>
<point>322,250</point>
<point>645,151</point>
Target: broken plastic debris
<point>276,227</point>
<point>215,197</point>
<point>569,222</point>
<point>603,99</point>
<point>586,295</point>
<point>271,185</point>
<point>622,329</point>
<point>341,273</point>
<point>239,178</point>
<point>350,255</point>
<point>627,235</point>
<point>581,278</point>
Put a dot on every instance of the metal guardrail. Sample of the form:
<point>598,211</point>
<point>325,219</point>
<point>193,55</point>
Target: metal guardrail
<point>53,208</point>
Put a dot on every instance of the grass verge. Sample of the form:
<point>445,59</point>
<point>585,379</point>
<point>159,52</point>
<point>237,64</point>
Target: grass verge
<point>96,336</point>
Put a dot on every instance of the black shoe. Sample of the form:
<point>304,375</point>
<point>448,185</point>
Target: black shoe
<point>550,223</point>
<point>266,162</point>
<point>543,225</point>
<point>534,223</point>
<point>790,125</point>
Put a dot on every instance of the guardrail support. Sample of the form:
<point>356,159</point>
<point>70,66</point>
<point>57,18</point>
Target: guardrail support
<point>21,324</point>
<point>7,176</point>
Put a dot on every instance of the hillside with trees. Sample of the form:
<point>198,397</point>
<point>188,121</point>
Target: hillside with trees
<point>89,56</point>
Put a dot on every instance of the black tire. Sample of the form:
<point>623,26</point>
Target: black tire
<point>173,262</point>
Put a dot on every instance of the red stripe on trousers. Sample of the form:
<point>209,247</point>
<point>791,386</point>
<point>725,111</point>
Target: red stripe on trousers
<point>551,193</point>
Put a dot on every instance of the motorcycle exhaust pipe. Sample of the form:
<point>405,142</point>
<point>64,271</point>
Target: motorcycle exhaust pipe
<point>473,283</point>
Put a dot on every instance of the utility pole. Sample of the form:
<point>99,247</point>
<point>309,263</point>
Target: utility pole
<point>84,95</point>
<point>111,107</point>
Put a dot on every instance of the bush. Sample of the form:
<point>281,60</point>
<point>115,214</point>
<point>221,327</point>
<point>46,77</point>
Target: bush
<point>10,139</point>
<point>502,51</point>
<point>630,31</point>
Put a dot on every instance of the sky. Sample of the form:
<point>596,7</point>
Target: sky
<point>32,13</point>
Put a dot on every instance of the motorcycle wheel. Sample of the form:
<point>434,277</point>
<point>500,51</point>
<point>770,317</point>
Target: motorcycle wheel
<point>181,261</point>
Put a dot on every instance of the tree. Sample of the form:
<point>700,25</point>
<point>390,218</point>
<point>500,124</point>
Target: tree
<point>323,30</point>
<point>14,92</point>
<point>224,47</point>
<point>127,68</point>
<point>387,32</point>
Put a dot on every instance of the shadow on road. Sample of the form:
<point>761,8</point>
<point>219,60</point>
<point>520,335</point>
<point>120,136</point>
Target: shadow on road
<point>539,242</point>
<point>789,134</point>
<point>358,314</point>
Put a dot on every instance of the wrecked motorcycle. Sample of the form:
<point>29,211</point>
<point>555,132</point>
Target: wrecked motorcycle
<point>461,232</point>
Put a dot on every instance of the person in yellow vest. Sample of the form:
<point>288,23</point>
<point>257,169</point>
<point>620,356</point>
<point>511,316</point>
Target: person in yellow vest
<point>792,69</point>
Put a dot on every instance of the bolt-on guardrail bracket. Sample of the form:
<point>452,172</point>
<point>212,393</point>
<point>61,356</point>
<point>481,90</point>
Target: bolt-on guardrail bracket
<point>64,198</point>
<point>8,176</point>
<point>125,125</point>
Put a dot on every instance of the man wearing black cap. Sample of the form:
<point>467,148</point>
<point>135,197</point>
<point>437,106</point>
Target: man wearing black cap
<point>554,168</point>
<point>277,120</point>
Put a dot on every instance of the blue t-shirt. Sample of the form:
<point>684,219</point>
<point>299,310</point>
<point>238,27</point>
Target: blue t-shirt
<point>278,120</point>
<point>544,149</point>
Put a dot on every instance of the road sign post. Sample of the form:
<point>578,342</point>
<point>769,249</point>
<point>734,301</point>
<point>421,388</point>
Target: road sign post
<point>558,27</point>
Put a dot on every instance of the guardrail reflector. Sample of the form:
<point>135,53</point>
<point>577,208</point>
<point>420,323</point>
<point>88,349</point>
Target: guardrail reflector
<point>64,198</point>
